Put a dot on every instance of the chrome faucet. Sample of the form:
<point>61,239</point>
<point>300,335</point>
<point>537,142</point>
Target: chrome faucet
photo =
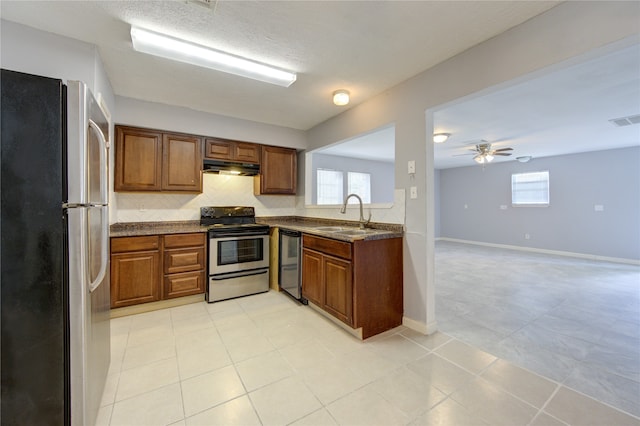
<point>343,210</point>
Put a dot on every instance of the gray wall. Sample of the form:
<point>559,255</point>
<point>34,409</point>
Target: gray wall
<point>382,175</point>
<point>577,183</point>
<point>436,202</point>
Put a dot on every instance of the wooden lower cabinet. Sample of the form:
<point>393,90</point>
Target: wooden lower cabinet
<point>359,283</point>
<point>150,268</point>
<point>338,290</point>
<point>135,262</point>
<point>312,276</point>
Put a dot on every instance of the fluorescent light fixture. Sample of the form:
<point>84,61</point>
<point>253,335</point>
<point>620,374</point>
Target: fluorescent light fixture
<point>440,137</point>
<point>341,97</point>
<point>183,51</point>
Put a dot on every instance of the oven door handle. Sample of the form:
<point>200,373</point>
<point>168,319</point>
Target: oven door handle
<point>217,235</point>
<point>220,277</point>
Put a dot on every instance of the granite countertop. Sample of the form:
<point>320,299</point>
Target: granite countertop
<point>338,230</point>
<point>132,229</point>
<point>335,229</point>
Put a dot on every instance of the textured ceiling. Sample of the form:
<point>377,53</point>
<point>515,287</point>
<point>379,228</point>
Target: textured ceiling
<point>365,47</point>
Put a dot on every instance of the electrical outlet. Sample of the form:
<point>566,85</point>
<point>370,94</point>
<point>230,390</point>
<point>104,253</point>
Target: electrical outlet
<point>527,236</point>
<point>466,206</point>
<point>503,207</point>
<point>413,191</point>
<point>411,167</point>
<point>598,208</point>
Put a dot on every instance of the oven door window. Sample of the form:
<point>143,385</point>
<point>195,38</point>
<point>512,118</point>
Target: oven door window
<point>231,252</point>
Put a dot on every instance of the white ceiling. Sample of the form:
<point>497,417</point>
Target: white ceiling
<point>562,112</point>
<point>365,47</point>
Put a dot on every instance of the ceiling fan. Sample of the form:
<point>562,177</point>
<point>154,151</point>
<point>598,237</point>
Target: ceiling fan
<point>484,154</point>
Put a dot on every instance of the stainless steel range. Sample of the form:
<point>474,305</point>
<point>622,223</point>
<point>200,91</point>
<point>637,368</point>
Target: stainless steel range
<point>238,261</point>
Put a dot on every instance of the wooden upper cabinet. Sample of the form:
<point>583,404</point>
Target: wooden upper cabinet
<point>224,149</point>
<point>138,160</point>
<point>152,160</point>
<point>181,163</point>
<point>278,171</point>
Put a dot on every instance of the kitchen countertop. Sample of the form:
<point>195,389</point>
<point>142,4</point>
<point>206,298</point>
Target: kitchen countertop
<point>132,229</point>
<point>349,231</point>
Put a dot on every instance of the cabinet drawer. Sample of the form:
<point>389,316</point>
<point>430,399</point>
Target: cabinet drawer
<point>183,260</point>
<point>184,240</point>
<point>126,244</point>
<point>185,284</point>
<point>325,245</point>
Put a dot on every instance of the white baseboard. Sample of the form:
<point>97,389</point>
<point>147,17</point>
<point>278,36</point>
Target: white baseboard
<point>418,326</point>
<point>545,251</point>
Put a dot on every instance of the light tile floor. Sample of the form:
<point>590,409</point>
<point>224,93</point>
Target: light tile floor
<point>572,320</point>
<point>266,360</point>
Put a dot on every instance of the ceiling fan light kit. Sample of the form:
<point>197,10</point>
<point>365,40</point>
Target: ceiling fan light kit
<point>165,46</point>
<point>484,154</point>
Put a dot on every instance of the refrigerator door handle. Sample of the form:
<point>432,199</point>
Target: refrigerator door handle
<point>104,183</point>
<point>104,251</point>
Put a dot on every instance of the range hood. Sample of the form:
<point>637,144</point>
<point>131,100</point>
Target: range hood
<point>230,168</point>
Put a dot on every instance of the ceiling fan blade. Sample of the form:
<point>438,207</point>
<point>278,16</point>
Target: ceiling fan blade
<point>460,155</point>
<point>504,154</point>
<point>503,149</point>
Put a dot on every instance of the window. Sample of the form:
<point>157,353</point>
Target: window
<point>530,189</point>
<point>329,186</point>
<point>360,184</point>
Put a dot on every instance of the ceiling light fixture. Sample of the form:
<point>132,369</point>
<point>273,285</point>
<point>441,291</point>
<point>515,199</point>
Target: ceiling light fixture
<point>524,159</point>
<point>483,158</point>
<point>440,137</point>
<point>341,97</point>
<point>183,51</point>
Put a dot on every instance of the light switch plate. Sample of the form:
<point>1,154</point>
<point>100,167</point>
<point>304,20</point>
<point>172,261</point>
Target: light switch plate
<point>413,192</point>
<point>411,167</point>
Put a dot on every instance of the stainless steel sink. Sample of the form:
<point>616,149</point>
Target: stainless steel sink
<point>356,232</point>
<point>332,228</point>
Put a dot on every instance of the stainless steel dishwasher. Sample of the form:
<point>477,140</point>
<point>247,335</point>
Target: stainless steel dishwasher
<point>289,263</point>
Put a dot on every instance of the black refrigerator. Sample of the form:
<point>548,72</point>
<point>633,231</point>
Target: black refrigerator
<point>54,260</point>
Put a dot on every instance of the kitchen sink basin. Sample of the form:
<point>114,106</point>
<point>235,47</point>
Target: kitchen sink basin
<point>356,232</point>
<point>332,228</point>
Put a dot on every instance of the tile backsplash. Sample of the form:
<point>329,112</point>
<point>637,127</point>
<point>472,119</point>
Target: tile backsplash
<point>218,190</point>
<point>221,190</point>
